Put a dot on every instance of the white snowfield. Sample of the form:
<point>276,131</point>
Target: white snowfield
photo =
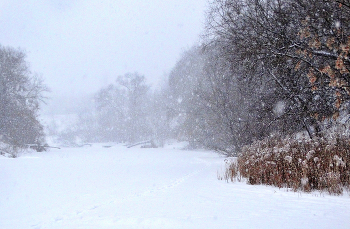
<point>116,187</point>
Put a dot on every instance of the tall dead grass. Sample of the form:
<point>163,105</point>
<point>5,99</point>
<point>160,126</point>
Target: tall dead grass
<point>304,164</point>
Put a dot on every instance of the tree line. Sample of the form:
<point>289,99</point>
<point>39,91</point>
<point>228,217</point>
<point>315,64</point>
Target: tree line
<point>264,67</point>
<point>126,111</point>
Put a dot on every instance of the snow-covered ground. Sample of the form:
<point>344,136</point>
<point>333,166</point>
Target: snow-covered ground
<point>117,187</point>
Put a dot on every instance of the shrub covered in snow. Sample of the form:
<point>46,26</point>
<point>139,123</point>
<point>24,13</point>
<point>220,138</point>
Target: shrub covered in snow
<point>300,164</point>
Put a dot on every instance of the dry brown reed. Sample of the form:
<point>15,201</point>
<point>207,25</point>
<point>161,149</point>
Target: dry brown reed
<point>300,164</point>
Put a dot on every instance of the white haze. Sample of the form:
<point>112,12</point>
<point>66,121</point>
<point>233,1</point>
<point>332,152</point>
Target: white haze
<point>80,46</point>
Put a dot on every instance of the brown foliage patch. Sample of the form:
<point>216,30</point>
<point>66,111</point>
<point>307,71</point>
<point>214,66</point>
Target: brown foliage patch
<point>303,164</point>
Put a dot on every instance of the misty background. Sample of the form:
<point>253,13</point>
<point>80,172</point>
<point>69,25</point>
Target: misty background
<point>79,46</point>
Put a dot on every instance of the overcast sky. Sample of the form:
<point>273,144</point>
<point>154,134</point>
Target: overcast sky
<point>81,45</point>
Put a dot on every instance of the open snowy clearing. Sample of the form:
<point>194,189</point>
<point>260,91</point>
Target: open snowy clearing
<point>117,187</point>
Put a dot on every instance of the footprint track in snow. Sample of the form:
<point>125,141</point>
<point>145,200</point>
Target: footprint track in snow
<point>153,190</point>
<point>150,192</point>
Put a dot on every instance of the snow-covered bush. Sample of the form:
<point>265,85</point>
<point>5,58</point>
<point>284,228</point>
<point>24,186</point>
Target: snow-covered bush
<point>8,150</point>
<point>299,164</point>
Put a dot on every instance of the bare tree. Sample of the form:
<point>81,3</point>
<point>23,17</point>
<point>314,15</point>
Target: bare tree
<point>280,41</point>
<point>136,89</point>
<point>20,95</point>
